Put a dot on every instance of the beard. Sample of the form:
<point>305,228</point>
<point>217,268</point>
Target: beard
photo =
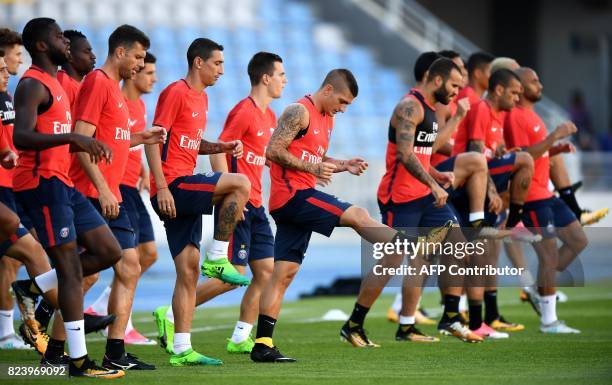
<point>442,95</point>
<point>533,98</point>
<point>58,57</point>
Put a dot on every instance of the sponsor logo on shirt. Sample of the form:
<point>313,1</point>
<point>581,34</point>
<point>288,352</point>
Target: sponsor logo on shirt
<point>256,160</point>
<point>122,134</point>
<point>63,128</point>
<point>191,143</point>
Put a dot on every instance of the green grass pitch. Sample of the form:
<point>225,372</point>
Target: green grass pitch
<point>528,357</point>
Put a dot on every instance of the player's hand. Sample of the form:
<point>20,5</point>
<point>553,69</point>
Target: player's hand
<point>96,149</point>
<point>561,148</point>
<point>234,147</point>
<point>440,195</point>
<point>9,160</point>
<point>356,166</point>
<point>144,184</point>
<point>564,130</point>
<point>445,179</point>
<point>463,106</point>
<point>500,151</point>
<point>322,171</point>
<point>154,135</point>
<point>165,202</point>
<point>323,183</point>
<point>109,204</point>
<point>495,202</point>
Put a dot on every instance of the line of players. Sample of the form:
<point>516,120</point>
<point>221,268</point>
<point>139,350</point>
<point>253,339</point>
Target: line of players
<point>102,217</point>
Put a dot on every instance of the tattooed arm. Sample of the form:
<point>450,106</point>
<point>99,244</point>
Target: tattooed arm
<point>234,147</point>
<point>355,166</point>
<point>294,119</point>
<point>407,115</point>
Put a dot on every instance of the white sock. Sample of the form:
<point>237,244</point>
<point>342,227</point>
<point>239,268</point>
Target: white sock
<point>463,303</point>
<point>217,250</point>
<point>397,303</point>
<point>241,332</point>
<point>170,314</point>
<point>129,326</point>
<point>526,279</point>
<point>100,305</point>
<point>548,307</point>
<point>47,281</point>
<point>478,215</point>
<point>182,342</point>
<point>6,323</point>
<point>75,336</point>
<point>406,320</point>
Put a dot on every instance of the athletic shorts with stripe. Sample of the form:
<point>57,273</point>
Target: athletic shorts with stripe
<point>252,239</point>
<point>544,216</point>
<point>307,211</point>
<point>121,226</point>
<point>416,217</point>
<point>193,196</point>
<point>138,214</point>
<point>7,197</point>
<point>59,212</point>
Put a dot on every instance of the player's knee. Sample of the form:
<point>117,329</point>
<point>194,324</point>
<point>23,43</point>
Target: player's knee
<point>263,274</point>
<point>129,267</point>
<point>579,242</point>
<point>476,161</point>
<point>90,280</point>
<point>243,185</point>
<point>524,160</point>
<point>360,217</point>
<point>9,224</point>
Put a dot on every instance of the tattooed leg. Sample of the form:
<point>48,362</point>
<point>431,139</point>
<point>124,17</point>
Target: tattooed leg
<point>521,178</point>
<point>232,192</point>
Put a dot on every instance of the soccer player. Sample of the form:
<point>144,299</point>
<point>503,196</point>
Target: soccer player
<point>42,185</point>
<point>483,132</point>
<point>410,193</point>
<point>180,198</point>
<point>101,110</point>
<point>252,122</point>
<point>479,72</point>
<point>10,44</point>
<point>81,61</point>
<point>550,216</point>
<point>297,152</point>
<point>135,179</point>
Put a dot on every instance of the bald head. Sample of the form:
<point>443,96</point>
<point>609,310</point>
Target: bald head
<point>504,63</point>
<point>532,88</point>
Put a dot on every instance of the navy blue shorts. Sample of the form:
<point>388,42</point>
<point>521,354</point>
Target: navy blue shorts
<point>545,215</point>
<point>193,196</point>
<point>121,226</point>
<point>418,215</point>
<point>252,238</point>
<point>309,210</point>
<point>7,197</point>
<point>447,165</point>
<point>138,214</point>
<point>500,170</point>
<point>455,195</point>
<point>59,213</point>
